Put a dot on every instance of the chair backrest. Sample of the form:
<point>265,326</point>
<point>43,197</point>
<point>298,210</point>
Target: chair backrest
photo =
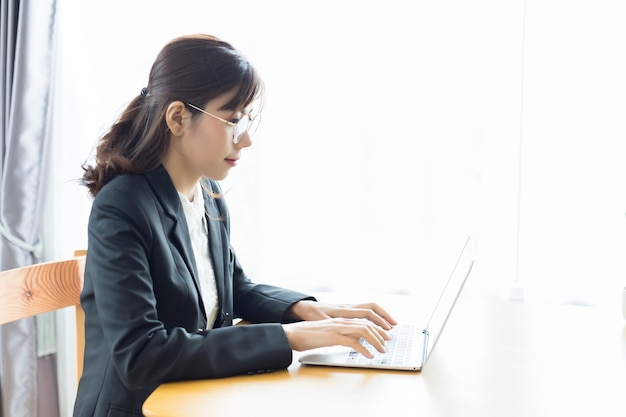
<point>45,287</point>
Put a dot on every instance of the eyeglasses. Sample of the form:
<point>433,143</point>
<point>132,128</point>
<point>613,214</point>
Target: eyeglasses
<point>248,123</point>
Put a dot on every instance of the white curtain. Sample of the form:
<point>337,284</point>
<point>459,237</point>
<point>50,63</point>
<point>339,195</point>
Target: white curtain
<point>27,374</point>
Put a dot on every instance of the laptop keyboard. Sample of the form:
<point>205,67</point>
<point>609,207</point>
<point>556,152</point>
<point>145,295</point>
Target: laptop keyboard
<point>398,348</point>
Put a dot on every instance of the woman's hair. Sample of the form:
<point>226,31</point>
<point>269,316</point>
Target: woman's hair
<point>193,69</point>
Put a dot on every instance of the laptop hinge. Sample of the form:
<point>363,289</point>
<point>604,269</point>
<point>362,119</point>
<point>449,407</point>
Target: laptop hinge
<point>425,349</point>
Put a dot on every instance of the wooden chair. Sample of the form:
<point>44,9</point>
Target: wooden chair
<point>45,287</point>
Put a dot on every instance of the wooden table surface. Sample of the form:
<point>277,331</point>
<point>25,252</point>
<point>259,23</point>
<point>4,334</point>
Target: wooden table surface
<point>495,358</point>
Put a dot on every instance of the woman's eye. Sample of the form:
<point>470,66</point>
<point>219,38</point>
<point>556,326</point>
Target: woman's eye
<point>234,121</point>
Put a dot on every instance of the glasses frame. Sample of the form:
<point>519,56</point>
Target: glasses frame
<point>229,123</point>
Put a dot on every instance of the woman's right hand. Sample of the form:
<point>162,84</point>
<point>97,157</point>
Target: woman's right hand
<point>305,335</point>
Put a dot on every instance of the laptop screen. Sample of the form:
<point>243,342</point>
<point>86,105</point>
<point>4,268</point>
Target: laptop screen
<point>449,295</point>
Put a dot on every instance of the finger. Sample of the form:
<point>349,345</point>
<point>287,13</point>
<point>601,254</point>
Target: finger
<point>374,335</point>
<point>359,312</point>
<point>355,344</point>
<point>359,347</point>
<point>377,338</point>
<point>378,310</point>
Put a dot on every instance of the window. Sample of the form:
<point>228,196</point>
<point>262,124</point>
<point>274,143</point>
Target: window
<point>389,128</point>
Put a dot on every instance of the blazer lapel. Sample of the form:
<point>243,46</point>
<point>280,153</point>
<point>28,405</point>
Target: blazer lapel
<point>175,222</point>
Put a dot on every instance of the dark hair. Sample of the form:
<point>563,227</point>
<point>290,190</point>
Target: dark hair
<point>193,69</point>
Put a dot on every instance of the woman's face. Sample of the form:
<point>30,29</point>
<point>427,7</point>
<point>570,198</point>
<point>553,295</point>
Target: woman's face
<point>206,146</point>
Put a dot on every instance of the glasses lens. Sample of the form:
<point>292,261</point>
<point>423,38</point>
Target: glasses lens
<point>253,124</point>
<point>241,128</point>
<point>248,123</point>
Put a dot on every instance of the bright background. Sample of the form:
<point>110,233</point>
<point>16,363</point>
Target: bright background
<point>392,130</point>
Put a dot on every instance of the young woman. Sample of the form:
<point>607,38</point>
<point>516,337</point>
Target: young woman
<point>162,282</point>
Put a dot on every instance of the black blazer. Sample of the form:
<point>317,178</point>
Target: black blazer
<point>144,318</point>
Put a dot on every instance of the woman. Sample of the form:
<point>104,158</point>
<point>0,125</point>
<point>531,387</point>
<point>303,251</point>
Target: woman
<point>162,283</point>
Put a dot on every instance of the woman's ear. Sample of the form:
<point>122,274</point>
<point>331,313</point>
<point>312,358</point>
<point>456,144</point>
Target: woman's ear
<point>176,117</point>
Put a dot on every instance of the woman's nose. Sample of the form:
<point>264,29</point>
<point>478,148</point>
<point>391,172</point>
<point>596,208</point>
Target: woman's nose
<point>244,140</point>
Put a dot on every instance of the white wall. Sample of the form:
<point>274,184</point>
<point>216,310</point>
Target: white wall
<point>573,201</point>
<point>369,156</point>
<point>390,128</point>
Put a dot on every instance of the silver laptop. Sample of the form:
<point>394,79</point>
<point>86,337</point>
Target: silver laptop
<point>411,344</point>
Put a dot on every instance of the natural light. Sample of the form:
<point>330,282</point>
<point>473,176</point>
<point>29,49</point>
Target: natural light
<point>391,130</point>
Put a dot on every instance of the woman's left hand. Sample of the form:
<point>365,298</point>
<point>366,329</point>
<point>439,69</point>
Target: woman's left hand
<point>313,310</point>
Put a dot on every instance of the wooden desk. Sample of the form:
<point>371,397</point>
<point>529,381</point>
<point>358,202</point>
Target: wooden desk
<point>495,358</point>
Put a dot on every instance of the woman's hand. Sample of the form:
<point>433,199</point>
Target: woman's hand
<point>312,310</point>
<point>305,335</point>
<point>332,325</point>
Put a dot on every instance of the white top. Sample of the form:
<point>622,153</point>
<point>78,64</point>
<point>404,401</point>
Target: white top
<point>199,232</point>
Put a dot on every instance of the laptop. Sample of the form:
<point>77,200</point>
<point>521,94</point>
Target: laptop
<point>411,344</point>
